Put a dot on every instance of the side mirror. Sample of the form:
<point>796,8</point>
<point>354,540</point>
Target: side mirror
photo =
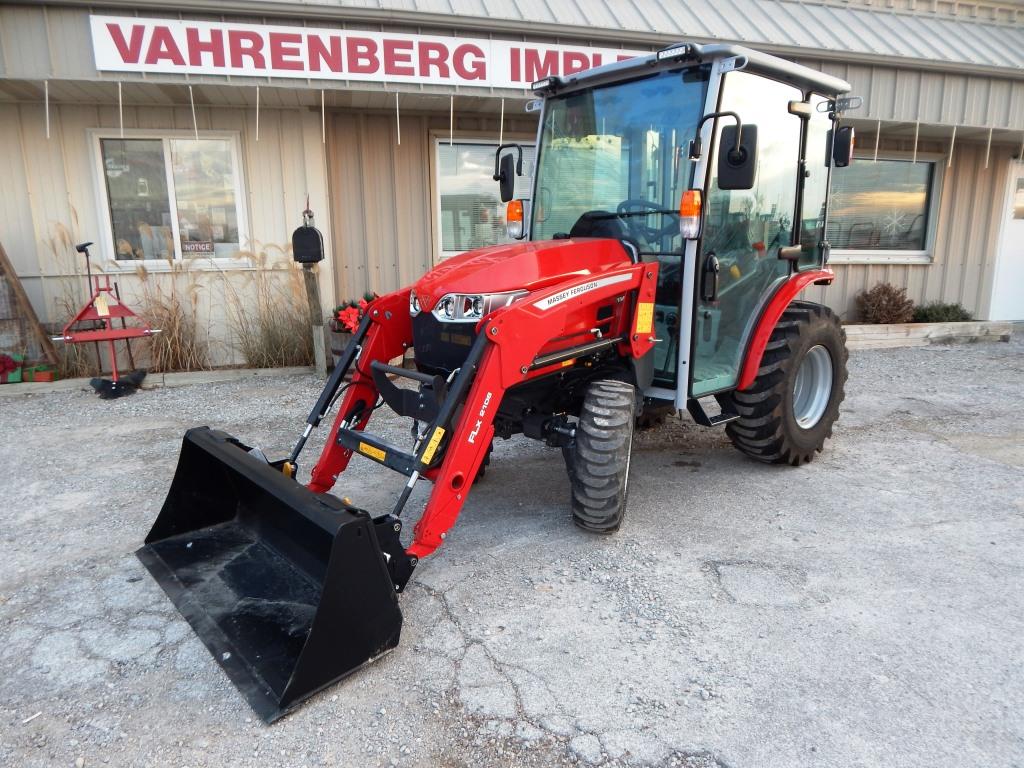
<point>842,146</point>
<point>506,168</point>
<point>737,161</point>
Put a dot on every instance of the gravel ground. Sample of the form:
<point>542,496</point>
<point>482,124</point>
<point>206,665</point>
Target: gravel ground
<point>864,610</point>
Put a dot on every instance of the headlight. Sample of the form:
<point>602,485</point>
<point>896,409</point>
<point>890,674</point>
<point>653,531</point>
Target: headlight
<point>447,307</point>
<point>461,307</point>
<point>414,304</point>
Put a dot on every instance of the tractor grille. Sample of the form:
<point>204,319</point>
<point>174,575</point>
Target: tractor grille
<point>440,347</point>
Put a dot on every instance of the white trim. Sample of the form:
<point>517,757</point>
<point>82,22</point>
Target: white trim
<point>887,256</point>
<point>108,249</point>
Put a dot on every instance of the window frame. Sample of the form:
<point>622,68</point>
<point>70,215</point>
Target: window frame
<point>897,257</point>
<point>437,138</point>
<point>107,244</point>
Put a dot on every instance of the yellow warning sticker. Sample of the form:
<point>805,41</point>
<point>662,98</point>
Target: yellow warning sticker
<point>435,440</point>
<point>644,316</point>
<point>372,451</point>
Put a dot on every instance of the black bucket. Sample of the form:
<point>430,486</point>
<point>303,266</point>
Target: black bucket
<point>287,588</point>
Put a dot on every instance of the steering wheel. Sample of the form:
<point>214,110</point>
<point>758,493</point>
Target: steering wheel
<point>630,212</point>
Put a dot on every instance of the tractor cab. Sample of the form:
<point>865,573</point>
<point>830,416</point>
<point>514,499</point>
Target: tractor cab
<point>712,161</point>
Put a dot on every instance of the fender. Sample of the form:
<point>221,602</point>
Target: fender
<point>772,312</point>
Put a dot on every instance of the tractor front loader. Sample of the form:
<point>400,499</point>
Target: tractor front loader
<point>679,207</point>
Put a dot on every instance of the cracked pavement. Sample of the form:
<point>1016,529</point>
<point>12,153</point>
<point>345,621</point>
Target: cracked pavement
<point>864,610</point>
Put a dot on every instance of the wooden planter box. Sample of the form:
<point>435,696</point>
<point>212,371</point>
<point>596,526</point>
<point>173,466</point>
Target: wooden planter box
<point>339,340</point>
<point>921,334</point>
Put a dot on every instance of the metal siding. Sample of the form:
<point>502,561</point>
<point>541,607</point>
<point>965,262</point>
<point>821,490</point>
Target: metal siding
<point>70,42</point>
<point>383,193</point>
<point>23,36</point>
<point>17,232</point>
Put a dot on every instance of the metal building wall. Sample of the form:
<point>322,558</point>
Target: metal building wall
<point>49,202</point>
<point>962,269</point>
<point>384,218</point>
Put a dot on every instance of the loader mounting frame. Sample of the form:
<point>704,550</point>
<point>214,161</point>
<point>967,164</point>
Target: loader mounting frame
<point>507,352</point>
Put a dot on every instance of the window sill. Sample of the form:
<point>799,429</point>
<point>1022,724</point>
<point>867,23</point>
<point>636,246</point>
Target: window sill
<point>880,257</point>
<point>179,265</point>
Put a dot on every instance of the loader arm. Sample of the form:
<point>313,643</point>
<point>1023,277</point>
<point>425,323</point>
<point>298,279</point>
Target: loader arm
<point>515,336</point>
<point>388,335</point>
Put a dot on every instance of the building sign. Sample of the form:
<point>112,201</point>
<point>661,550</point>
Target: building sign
<point>133,44</point>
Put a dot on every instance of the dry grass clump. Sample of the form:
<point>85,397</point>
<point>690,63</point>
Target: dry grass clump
<point>179,346</point>
<point>271,323</point>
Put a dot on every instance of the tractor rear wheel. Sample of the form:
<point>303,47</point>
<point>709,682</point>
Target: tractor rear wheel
<point>598,460</point>
<point>788,412</point>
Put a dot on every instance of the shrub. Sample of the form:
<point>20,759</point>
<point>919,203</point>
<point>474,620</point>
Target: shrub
<point>885,303</point>
<point>941,312</point>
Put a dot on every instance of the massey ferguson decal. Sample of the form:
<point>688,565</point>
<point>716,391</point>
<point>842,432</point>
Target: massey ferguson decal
<point>133,44</point>
<point>576,290</point>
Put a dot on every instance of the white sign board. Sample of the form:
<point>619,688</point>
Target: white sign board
<point>133,44</point>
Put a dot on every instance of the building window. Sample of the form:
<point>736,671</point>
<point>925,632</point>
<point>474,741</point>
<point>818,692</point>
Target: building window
<point>469,211</point>
<point>884,210</point>
<point>172,198</point>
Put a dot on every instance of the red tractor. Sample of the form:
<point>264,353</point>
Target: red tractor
<point>679,206</point>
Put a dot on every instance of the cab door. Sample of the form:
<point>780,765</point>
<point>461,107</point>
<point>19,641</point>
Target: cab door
<point>744,231</point>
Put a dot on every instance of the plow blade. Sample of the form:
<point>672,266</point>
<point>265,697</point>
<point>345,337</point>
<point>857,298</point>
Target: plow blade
<point>287,588</point>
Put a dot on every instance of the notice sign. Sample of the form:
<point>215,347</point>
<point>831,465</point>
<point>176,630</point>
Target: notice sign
<point>192,247</point>
<point>133,44</point>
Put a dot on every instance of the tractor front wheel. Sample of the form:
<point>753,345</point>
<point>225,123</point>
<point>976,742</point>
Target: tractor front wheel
<point>598,460</point>
<point>788,412</point>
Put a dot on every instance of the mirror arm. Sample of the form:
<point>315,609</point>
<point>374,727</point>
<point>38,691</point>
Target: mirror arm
<point>497,158</point>
<point>695,148</point>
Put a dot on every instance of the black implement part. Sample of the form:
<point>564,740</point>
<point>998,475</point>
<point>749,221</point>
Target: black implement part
<point>381,451</point>
<point>702,417</point>
<point>400,565</point>
<point>288,589</point>
<point>420,404</point>
<point>323,403</point>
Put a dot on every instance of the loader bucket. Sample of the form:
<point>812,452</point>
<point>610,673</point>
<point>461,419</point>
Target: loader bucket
<point>287,588</point>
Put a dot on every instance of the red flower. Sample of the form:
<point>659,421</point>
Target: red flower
<point>349,318</point>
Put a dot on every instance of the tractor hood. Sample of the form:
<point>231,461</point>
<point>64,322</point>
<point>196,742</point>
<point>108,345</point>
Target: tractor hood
<point>519,266</point>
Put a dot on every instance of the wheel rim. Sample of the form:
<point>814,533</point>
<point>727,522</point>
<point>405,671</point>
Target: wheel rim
<point>813,387</point>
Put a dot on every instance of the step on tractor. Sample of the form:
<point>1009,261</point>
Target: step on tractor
<point>678,206</point>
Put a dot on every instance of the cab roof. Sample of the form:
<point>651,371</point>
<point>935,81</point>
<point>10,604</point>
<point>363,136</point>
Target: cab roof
<point>670,57</point>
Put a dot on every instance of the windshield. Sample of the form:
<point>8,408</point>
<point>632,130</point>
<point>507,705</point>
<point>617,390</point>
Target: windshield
<point>613,160</point>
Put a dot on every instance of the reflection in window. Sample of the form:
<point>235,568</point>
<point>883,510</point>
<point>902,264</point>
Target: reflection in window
<point>202,195</point>
<point>204,189</point>
<point>880,206</point>
<point>140,211</point>
<point>471,212</point>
